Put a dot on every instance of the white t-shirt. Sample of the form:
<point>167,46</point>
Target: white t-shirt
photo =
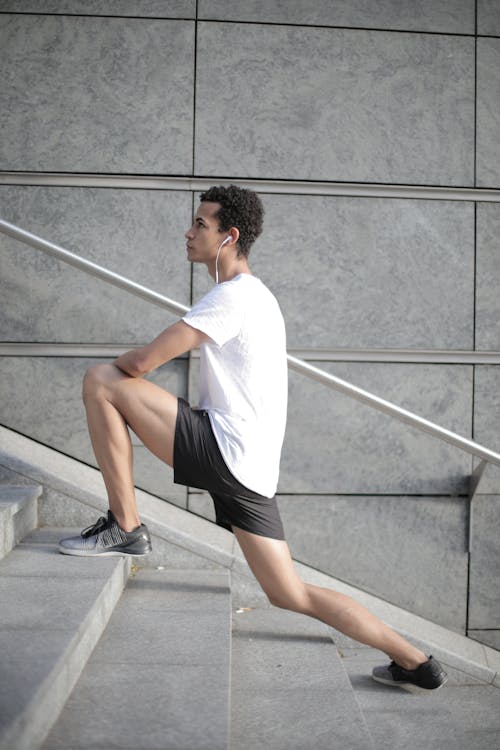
<point>244,378</point>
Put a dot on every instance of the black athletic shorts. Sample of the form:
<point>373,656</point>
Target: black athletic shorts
<point>198,463</point>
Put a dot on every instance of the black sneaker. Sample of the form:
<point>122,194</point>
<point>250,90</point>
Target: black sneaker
<point>428,676</point>
<point>106,538</point>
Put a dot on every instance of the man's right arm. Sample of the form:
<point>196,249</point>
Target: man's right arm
<point>172,342</point>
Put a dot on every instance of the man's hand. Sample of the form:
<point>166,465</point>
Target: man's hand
<point>172,342</point>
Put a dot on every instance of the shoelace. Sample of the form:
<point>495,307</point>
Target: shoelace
<point>95,528</point>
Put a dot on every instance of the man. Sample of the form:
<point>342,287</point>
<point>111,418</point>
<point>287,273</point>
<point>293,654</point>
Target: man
<point>231,444</point>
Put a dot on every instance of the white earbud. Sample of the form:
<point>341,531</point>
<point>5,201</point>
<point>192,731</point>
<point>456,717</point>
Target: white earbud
<point>228,238</point>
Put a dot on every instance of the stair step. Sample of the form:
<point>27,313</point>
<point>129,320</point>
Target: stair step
<point>54,609</point>
<point>74,494</point>
<point>289,688</point>
<point>160,675</point>
<point>465,715</point>
<point>18,514</point>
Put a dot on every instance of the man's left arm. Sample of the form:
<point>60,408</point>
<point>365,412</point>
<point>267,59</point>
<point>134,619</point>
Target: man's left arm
<point>172,342</point>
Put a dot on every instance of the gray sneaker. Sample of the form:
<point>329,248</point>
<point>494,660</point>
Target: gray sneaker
<point>106,538</point>
<point>427,677</point>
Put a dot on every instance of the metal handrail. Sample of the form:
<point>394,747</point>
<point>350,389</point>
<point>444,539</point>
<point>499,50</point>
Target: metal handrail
<point>386,407</point>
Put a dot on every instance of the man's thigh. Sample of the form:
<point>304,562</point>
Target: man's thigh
<point>150,411</point>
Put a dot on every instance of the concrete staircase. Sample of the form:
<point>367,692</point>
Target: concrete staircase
<point>159,677</point>
<point>186,653</point>
<point>52,617</point>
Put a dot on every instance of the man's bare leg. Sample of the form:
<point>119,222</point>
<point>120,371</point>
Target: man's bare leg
<point>114,400</point>
<point>272,565</point>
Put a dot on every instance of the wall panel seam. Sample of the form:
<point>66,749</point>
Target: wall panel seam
<point>243,22</point>
<point>335,27</point>
<point>475,100</point>
<point>254,23</point>
<point>195,70</point>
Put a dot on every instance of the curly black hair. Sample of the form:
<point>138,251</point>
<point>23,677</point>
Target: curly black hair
<point>239,208</point>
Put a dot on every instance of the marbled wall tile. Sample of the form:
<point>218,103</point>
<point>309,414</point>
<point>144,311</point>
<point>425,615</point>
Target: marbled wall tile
<point>488,637</point>
<point>84,94</point>
<point>484,604</point>
<point>488,275</point>
<point>487,420</point>
<point>360,272</point>
<point>487,403</point>
<point>134,8</point>
<point>490,477</point>
<point>488,17</point>
<point>410,551</point>
<point>41,397</point>
<point>193,379</point>
<point>333,104</point>
<point>156,477</point>
<point>488,113</point>
<point>334,444</point>
<point>201,504</point>
<point>135,233</point>
<point>453,17</point>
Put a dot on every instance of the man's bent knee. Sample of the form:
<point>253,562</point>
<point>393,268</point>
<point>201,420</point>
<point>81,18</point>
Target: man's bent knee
<point>97,377</point>
<point>295,601</point>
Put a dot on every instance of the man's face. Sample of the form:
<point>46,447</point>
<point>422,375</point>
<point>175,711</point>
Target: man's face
<point>204,237</point>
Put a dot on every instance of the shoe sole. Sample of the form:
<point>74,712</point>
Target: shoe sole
<point>109,553</point>
<point>410,687</point>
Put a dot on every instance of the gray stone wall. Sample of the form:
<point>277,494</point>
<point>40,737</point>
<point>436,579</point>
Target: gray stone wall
<point>370,130</point>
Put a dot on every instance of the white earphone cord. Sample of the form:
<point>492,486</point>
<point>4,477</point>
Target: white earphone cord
<point>217,258</point>
<point>216,261</point>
